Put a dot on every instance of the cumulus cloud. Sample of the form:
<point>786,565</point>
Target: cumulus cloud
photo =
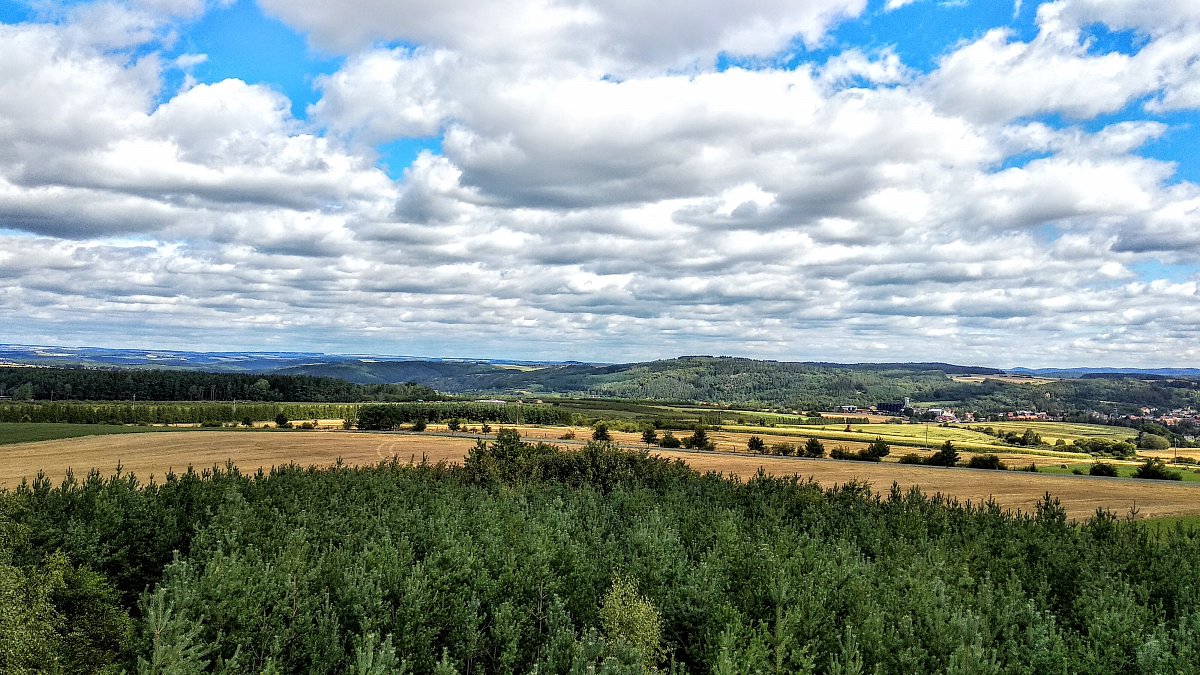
<point>601,191</point>
<point>598,35</point>
<point>998,78</point>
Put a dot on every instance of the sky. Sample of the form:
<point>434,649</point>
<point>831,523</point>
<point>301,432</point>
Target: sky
<point>971,181</point>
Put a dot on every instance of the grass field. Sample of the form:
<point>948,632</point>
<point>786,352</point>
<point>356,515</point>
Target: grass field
<point>1069,432</point>
<point>154,454</point>
<point>25,433</point>
<point>911,435</point>
<point>1123,470</point>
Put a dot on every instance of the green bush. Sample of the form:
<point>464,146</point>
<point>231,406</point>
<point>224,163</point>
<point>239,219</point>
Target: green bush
<point>1103,469</point>
<point>1155,469</point>
<point>986,460</point>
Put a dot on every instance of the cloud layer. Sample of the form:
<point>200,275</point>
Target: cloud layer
<point>608,188</point>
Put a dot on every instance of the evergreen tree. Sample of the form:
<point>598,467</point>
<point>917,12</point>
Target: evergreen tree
<point>947,455</point>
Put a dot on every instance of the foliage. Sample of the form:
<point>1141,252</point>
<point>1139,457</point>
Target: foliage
<point>419,424</point>
<point>650,437</point>
<point>814,448</point>
<point>1104,447</point>
<point>875,452</point>
<point>947,455</point>
<point>506,564</point>
<point>1147,441</point>
<point>628,616</point>
<point>986,460</point>
<point>699,440</point>
<point>1155,469</point>
<point>600,433</point>
<point>94,384</point>
<point>785,449</point>
<point>378,416</point>
<point>756,445</point>
<point>877,449</point>
<point>55,616</point>
<point>1102,469</point>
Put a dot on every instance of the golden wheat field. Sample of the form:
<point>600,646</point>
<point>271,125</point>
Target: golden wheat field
<point>148,455</point>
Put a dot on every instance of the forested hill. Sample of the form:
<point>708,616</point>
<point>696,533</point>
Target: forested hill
<point>724,380</point>
<point>81,384</point>
<point>688,378</point>
<point>739,381</point>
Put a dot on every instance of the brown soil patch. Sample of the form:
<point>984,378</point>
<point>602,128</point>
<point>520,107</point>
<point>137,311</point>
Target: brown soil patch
<point>154,454</point>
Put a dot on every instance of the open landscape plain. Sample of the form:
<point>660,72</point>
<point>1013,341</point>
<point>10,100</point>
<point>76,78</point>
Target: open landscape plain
<point>152,455</point>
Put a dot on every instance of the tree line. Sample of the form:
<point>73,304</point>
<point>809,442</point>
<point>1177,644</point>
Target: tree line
<point>80,384</point>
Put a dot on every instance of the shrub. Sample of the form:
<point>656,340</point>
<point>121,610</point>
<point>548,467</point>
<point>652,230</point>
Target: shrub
<point>1154,469</point>
<point>756,445</point>
<point>947,455</point>
<point>282,422</point>
<point>814,448</point>
<point>600,432</point>
<point>628,616</point>
<point>912,458</point>
<point>567,435</point>
<point>784,449</point>
<point>669,440</point>
<point>987,460</point>
<point>1032,468</point>
<point>419,424</point>
<point>1103,469</point>
<point>454,424</point>
<point>699,440</point>
<point>877,450</point>
<point>650,437</point>
<point>1147,441</point>
<point>308,425</point>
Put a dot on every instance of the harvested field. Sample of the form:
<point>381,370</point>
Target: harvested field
<point>1081,495</point>
<point>149,455</point>
<point>154,454</point>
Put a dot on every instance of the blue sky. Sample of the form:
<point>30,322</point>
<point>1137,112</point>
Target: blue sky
<point>977,182</point>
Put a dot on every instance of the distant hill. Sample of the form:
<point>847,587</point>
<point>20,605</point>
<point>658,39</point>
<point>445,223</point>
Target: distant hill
<point>235,362</point>
<point>1078,373</point>
<point>708,379</point>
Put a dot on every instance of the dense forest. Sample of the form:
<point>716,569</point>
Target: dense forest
<point>367,416</point>
<point>79,384</point>
<point>731,381</point>
<point>806,386</point>
<point>527,559</point>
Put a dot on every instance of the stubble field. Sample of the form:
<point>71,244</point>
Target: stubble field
<point>149,455</point>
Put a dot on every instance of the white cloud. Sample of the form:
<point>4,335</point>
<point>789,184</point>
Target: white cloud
<point>814,212</point>
<point>998,78</point>
<point>598,35</point>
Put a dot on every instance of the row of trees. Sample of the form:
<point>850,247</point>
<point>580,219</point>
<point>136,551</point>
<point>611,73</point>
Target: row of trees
<point>528,559</point>
<point>392,415</point>
<point>43,384</point>
<point>168,413</point>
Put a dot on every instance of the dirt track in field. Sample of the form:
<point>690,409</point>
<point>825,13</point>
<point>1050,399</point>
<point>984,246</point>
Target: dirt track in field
<point>152,454</point>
